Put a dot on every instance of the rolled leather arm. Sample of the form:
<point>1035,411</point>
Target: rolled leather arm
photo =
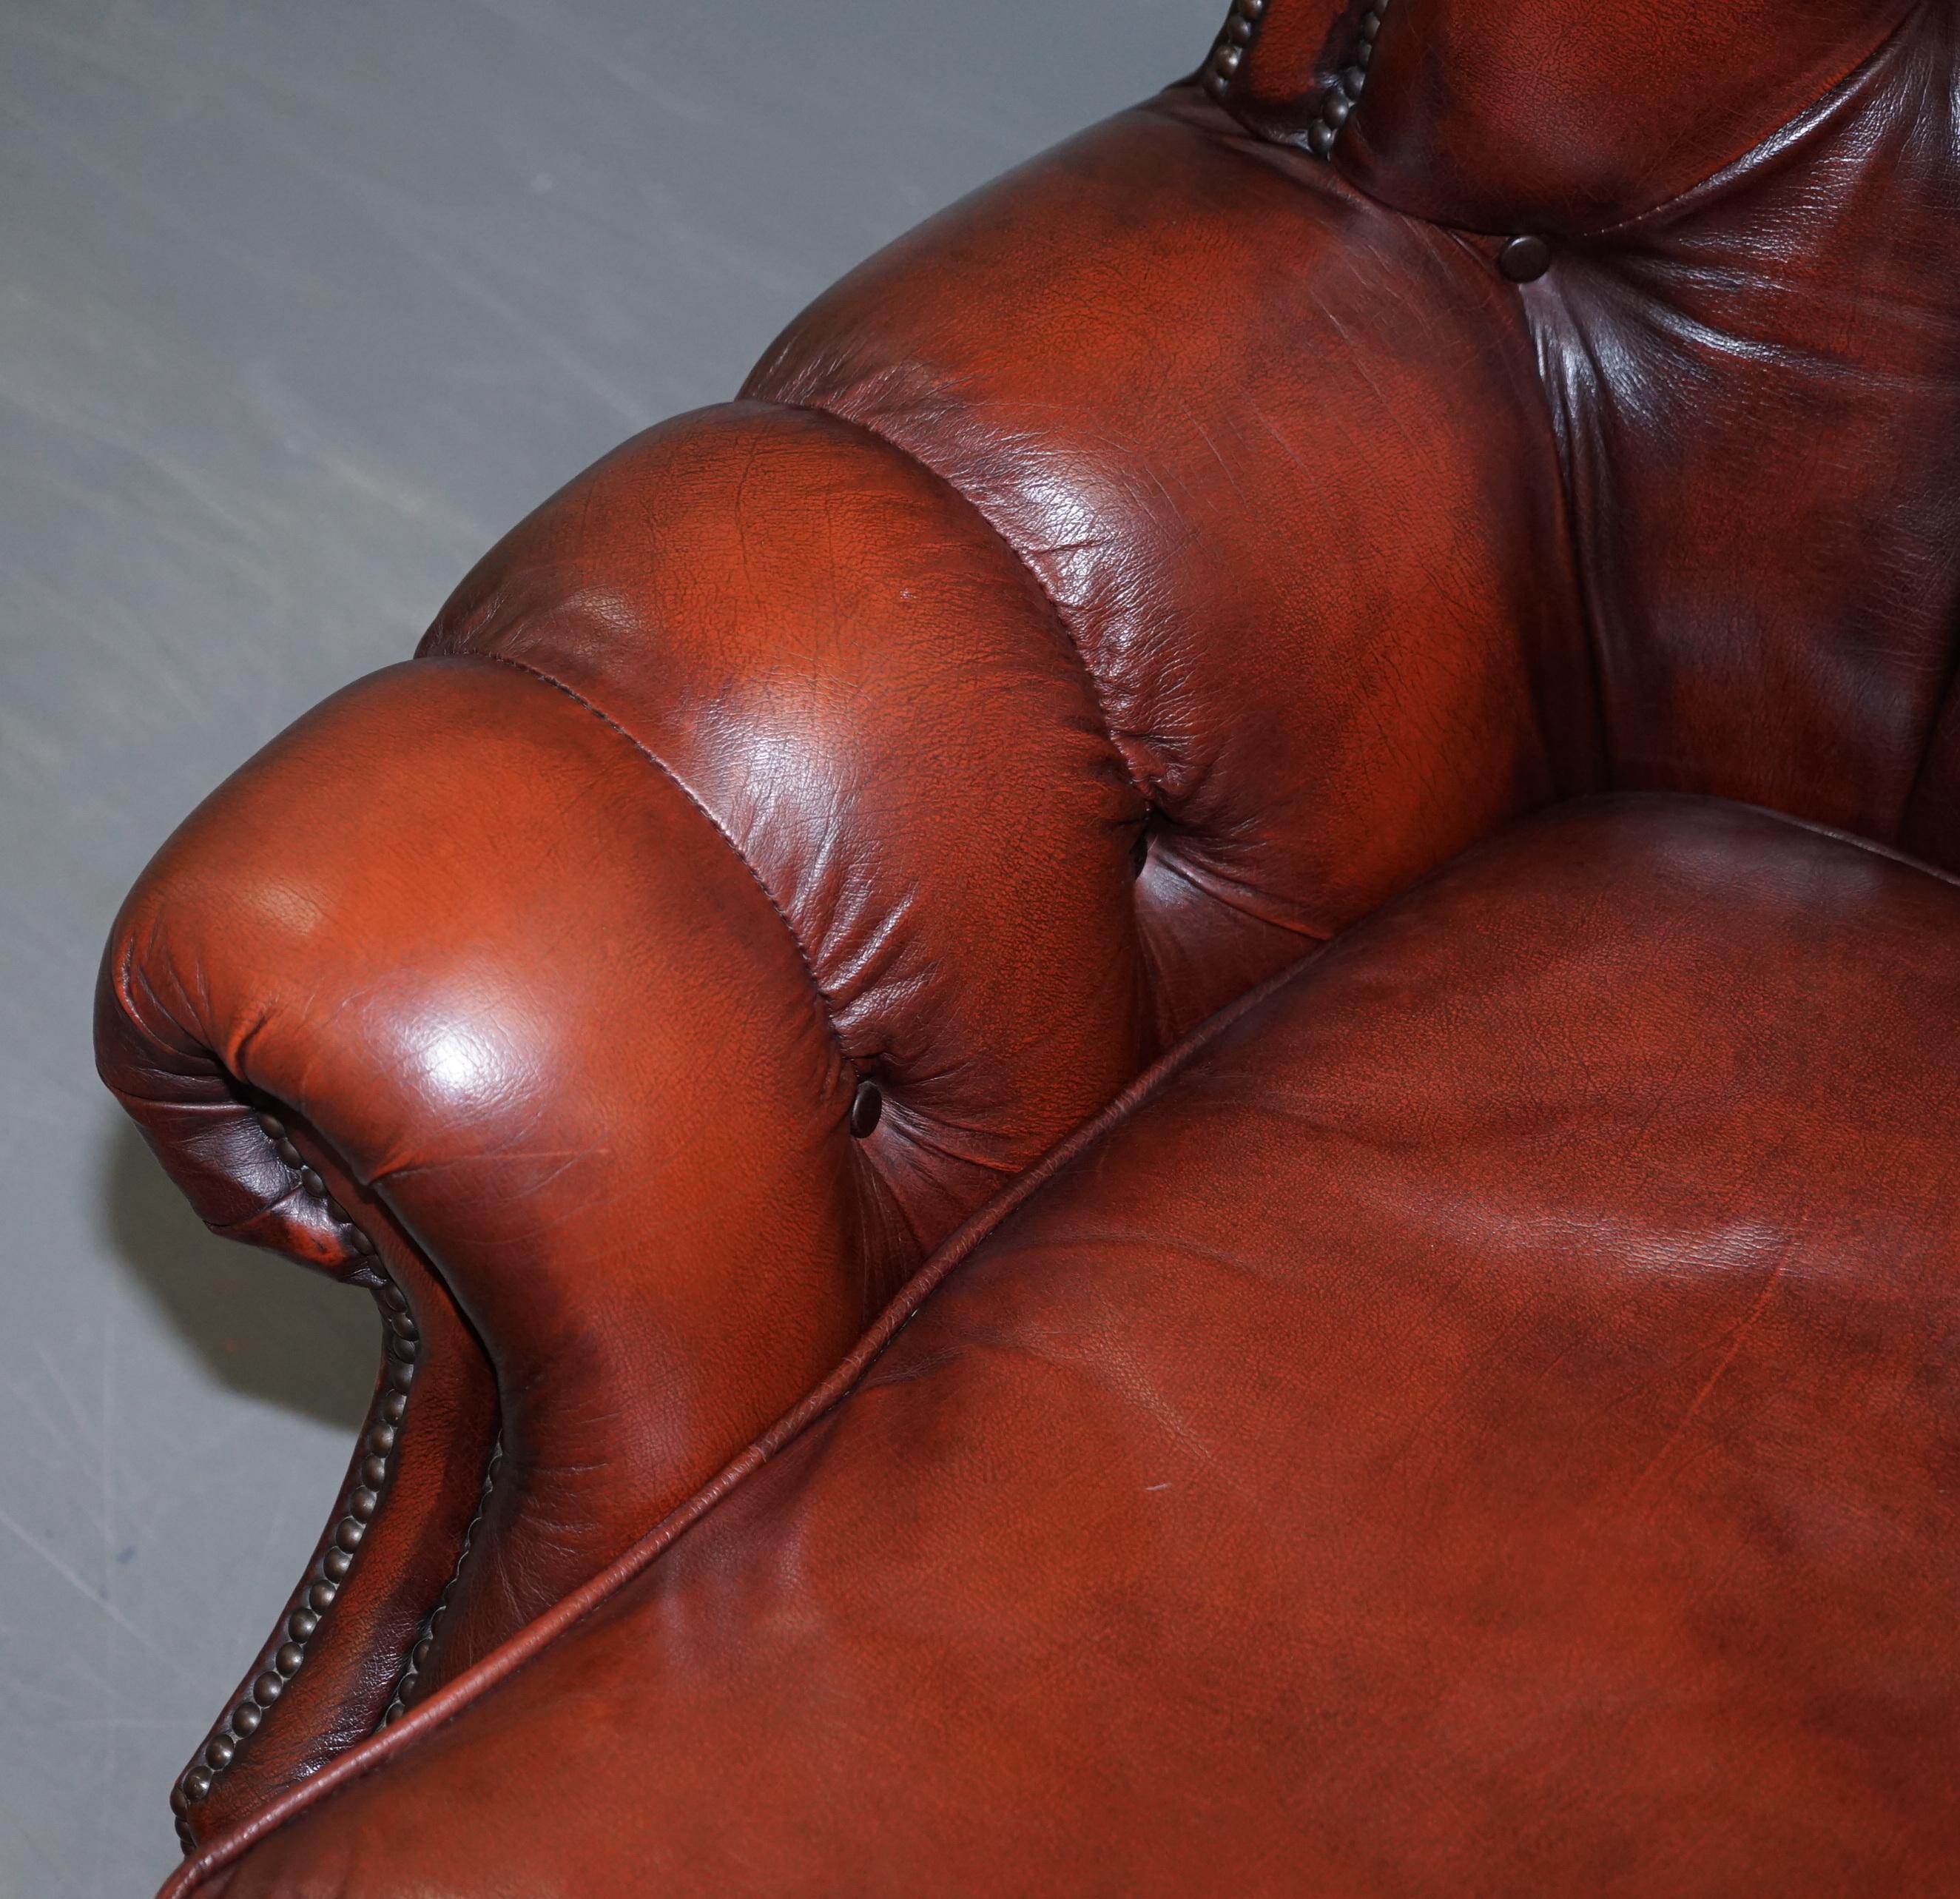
<point>511,993</point>
<point>629,1001</point>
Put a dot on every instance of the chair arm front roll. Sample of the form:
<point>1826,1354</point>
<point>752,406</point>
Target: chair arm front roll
<point>519,1018</point>
<point>629,992</point>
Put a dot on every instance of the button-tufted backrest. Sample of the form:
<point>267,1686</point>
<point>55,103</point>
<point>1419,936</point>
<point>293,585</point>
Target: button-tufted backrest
<point>1746,317</point>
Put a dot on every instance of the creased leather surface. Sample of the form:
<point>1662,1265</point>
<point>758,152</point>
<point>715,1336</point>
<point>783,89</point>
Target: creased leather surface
<point>1280,459</point>
<point>851,674</point>
<point>1758,394</point>
<point>1119,586</point>
<point>1481,1428</point>
<point>1749,340</point>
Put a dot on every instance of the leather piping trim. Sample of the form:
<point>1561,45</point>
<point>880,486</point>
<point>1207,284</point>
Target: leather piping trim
<point>1801,124</point>
<point>721,830</point>
<point>453,1697</point>
<point>450,1700</point>
<point>1870,845</point>
<point>408,1683</point>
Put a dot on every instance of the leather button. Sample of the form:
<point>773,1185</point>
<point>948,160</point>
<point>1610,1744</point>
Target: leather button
<point>867,1105</point>
<point>1525,259</point>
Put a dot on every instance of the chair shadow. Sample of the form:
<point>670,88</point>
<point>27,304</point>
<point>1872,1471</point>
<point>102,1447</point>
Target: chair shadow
<point>261,1326</point>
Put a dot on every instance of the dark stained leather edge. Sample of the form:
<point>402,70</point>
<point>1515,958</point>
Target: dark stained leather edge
<point>450,1700</point>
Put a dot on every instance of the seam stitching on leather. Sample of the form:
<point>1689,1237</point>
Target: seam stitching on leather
<point>1871,846</point>
<point>913,459</point>
<point>721,830</point>
<point>454,1696</point>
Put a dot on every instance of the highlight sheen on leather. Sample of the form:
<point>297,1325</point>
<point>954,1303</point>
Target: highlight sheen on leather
<point>1445,524</point>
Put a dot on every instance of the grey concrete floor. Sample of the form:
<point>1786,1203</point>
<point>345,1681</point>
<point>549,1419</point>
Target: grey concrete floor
<point>302,302</point>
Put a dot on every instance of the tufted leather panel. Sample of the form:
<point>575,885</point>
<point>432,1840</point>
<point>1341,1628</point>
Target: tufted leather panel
<point>1758,395</point>
<point>1314,555</point>
<point>1479,1428</point>
<point>846,667</point>
<point>1749,334</point>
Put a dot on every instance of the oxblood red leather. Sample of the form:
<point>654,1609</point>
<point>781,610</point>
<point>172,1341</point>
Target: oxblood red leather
<point>1535,1312</point>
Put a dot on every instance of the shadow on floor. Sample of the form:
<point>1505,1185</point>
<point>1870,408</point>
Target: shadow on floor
<point>262,1326</point>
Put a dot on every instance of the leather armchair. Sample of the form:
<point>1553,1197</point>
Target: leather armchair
<point>1286,788</point>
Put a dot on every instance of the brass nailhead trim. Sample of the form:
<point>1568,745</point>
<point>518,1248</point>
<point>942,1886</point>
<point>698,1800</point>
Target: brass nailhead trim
<point>1338,101</point>
<point>1229,47</point>
<point>287,1652</point>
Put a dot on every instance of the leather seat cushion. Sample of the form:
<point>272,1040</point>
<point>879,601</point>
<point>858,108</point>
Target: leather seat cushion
<point>1488,1423</point>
